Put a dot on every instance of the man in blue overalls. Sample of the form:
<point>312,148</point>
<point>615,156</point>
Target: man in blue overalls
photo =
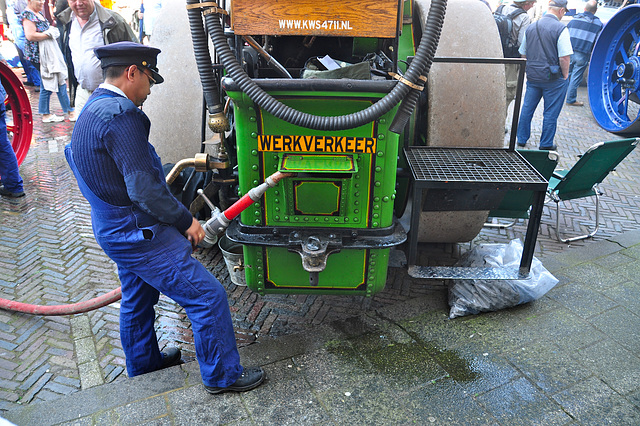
<point>144,229</point>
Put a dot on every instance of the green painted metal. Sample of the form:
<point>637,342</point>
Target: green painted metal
<point>342,181</point>
<point>347,190</point>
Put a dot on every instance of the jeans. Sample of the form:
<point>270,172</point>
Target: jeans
<point>8,162</point>
<point>553,93</point>
<point>33,75</point>
<point>579,63</point>
<point>63,97</point>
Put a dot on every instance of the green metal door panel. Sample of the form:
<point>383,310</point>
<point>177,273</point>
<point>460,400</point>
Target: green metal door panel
<point>275,270</point>
<point>344,179</point>
<point>320,198</point>
<point>344,270</point>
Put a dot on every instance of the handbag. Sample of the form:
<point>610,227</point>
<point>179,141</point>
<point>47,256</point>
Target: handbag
<point>555,72</point>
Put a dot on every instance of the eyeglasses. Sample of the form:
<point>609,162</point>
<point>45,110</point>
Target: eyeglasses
<point>152,81</point>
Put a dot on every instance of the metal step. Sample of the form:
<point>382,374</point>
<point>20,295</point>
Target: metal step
<point>466,273</point>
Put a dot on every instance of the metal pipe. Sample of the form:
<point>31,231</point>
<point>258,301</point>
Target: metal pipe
<point>270,59</point>
<point>220,221</point>
<point>200,162</point>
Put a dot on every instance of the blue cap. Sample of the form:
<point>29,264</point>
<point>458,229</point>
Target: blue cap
<point>558,3</point>
<point>130,53</point>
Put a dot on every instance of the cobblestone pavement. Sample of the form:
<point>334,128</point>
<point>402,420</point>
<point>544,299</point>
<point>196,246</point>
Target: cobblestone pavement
<point>48,256</point>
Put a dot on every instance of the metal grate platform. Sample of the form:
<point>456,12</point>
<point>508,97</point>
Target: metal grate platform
<point>482,171</point>
<point>471,165</point>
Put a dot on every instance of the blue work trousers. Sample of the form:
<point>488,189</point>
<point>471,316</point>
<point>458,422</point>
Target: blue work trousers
<point>579,63</point>
<point>164,264</point>
<point>553,93</point>
<point>153,258</point>
<point>8,163</point>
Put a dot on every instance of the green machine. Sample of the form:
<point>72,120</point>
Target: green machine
<point>324,94</point>
<point>328,228</point>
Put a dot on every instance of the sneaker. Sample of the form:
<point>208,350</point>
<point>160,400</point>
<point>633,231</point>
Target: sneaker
<point>548,148</point>
<point>52,119</point>
<point>575,103</point>
<point>6,193</point>
<point>249,379</point>
<point>72,117</point>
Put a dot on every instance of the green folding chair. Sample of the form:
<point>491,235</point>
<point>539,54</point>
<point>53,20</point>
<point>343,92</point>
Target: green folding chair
<point>583,178</point>
<point>516,204</point>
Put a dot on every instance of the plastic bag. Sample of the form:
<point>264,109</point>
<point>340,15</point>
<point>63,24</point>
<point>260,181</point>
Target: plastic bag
<point>470,297</point>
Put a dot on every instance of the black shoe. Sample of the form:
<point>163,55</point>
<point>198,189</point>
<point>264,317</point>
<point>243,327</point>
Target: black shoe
<point>6,193</point>
<point>170,357</point>
<point>549,148</point>
<point>250,378</point>
<point>37,88</point>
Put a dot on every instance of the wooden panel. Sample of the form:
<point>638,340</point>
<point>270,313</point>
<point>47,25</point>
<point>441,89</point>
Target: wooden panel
<point>344,18</point>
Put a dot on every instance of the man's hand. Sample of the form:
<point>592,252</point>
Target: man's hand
<point>195,233</point>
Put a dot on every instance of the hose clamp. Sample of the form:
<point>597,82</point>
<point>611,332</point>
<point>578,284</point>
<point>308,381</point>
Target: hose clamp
<point>406,82</point>
<point>212,8</point>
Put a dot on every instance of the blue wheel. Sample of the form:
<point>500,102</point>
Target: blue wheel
<point>614,74</point>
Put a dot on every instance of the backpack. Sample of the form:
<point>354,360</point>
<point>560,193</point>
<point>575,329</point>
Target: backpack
<point>505,24</point>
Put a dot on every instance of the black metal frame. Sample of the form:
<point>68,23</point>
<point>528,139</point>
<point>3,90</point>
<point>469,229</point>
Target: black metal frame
<point>515,174</point>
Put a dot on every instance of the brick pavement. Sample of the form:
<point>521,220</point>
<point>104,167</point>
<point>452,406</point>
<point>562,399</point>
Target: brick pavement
<point>48,256</point>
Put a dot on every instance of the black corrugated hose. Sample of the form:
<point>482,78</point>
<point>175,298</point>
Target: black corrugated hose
<point>203,59</point>
<point>419,66</point>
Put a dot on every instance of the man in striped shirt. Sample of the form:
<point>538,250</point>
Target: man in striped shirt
<point>584,29</point>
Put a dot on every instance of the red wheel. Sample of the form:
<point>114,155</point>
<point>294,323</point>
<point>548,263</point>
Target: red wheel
<point>19,115</point>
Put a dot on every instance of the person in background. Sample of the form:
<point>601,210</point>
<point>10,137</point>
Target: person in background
<point>60,6</point>
<point>37,30</point>
<point>145,230</point>
<point>152,10</point>
<point>520,24</point>
<point>14,16</point>
<point>547,47</point>
<point>11,184</point>
<point>88,25</point>
<point>583,29</point>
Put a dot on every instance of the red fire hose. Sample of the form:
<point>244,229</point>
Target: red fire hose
<point>75,308</point>
<point>115,295</point>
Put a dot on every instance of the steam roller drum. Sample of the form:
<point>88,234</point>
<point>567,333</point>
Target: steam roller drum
<point>466,103</point>
<point>19,116</point>
<point>614,74</point>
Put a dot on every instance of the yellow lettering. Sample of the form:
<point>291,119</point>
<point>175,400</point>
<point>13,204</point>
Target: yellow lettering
<point>296,144</point>
<point>286,143</point>
<point>299,143</point>
<point>264,142</point>
<point>308,143</point>
<point>370,146</point>
<point>349,147</point>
